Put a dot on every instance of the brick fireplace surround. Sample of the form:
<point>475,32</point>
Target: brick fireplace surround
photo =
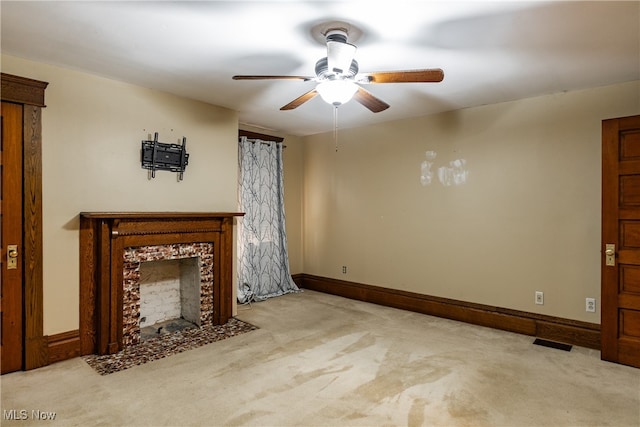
<point>106,239</point>
<point>132,300</point>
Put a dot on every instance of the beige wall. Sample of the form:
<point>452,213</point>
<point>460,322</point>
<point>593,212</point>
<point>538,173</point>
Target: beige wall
<point>293,197</point>
<point>527,220</point>
<point>92,129</point>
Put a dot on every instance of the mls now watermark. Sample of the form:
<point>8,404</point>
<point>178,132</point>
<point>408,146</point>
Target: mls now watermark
<point>24,414</point>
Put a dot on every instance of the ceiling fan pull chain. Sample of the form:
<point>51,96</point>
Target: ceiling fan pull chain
<point>335,126</point>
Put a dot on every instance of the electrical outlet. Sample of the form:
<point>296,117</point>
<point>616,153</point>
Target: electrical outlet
<point>344,269</point>
<point>591,305</point>
<point>539,298</point>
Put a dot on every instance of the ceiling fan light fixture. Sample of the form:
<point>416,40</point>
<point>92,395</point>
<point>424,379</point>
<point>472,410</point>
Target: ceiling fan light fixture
<point>337,92</point>
<point>337,73</point>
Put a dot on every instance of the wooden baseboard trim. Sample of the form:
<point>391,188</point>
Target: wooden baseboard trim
<point>298,279</point>
<point>567,331</point>
<point>63,346</point>
<point>66,345</point>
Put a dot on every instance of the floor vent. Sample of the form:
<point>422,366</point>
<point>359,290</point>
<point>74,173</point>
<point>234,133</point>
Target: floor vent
<point>551,344</point>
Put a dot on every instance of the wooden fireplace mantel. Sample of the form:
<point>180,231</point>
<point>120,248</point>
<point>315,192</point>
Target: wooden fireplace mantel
<point>103,238</point>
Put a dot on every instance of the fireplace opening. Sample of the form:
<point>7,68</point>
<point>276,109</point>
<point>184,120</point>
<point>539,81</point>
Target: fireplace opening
<point>169,296</point>
<point>166,288</point>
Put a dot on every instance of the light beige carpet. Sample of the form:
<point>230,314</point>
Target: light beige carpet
<point>321,360</point>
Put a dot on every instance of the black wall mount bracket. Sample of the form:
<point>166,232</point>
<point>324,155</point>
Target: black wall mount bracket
<point>156,155</point>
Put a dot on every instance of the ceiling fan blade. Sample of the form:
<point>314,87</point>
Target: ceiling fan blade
<point>432,75</point>
<point>305,78</point>
<point>367,99</point>
<point>300,100</point>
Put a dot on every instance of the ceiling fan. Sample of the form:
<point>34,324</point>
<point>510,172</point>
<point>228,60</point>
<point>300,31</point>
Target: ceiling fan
<point>339,79</point>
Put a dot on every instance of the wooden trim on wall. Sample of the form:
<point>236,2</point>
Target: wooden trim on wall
<point>548,327</point>
<point>298,279</point>
<point>63,346</point>
<point>67,345</point>
<point>22,90</point>
<point>35,343</point>
<point>30,93</point>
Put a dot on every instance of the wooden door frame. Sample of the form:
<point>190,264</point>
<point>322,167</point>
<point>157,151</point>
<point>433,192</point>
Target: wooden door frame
<point>30,93</point>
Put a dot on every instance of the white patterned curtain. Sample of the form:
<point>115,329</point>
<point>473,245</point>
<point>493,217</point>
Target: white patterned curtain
<point>263,261</point>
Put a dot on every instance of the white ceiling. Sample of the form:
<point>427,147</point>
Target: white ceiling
<point>490,51</point>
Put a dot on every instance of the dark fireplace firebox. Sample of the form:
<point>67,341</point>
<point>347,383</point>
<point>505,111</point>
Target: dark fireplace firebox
<point>106,239</point>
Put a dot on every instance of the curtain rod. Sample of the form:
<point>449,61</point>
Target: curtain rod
<point>253,141</point>
<point>255,135</point>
